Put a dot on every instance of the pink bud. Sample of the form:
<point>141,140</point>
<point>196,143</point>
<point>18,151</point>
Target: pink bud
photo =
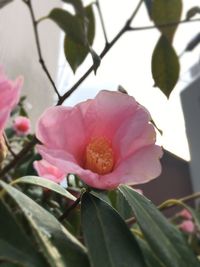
<point>185,214</point>
<point>187,226</point>
<point>22,125</point>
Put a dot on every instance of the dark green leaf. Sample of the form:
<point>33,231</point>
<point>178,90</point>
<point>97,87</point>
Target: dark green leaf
<point>58,246</point>
<point>72,26</point>
<point>165,240</point>
<point>109,241</point>
<point>166,12</point>
<point>77,5</point>
<point>14,244</point>
<point>165,66</point>
<point>149,257</point>
<point>4,2</point>
<point>123,207</point>
<point>192,12</point>
<point>15,255</point>
<point>148,4</point>
<point>35,180</point>
<point>76,53</point>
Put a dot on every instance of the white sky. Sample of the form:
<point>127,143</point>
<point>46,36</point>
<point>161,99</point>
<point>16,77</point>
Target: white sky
<point>129,64</point>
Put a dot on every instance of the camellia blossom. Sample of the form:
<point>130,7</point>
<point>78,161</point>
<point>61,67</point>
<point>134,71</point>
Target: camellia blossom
<point>187,226</point>
<point>184,213</point>
<point>48,171</point>
<point>106,141</point>
<point>22,125</point>
<point>9,97</point>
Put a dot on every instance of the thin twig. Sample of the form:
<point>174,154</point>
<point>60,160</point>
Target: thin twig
<point>19,156</point>
<point>102,21</point>
<point>73,206</point>
<point>166,25</point>
<point>8,146</point>
<point>41,60</point>
<point>107,47</point>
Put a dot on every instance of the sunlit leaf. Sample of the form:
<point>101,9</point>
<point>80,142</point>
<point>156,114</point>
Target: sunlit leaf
<point>108,239</point>
<point>165,240</point>
<point>60,248</point>
<point>165,66</point>
<point>166,12</point>
<point>35,180</point>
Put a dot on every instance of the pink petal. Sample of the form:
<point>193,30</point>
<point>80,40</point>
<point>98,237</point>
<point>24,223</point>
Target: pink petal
<point>107,112</point>
<point>67,164</point>
<point>63,128</point>
<point>134,133</point>
<point>138,168</point>
<point>9,97</point>
<point>48,171</point>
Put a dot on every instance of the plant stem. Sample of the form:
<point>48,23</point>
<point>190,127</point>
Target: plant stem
<point>167,25</point>
<point>36,34</point>
<point>8,146</point>
<point>102,21</point>
<point>19,156</point>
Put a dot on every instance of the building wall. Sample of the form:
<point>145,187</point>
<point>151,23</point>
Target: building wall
<point>190,98</point>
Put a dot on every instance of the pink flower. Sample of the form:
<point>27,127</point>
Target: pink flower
<point>187,226</point>
<point>48,171</point>
<point>105,141</point>
<point>22,125</point>
<point>185,214</point>
<point>9,97</point>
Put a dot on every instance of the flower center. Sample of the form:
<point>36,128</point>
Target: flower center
<point>99,156</point>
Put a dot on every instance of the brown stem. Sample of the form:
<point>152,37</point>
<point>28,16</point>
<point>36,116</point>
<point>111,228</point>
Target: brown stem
<point>19,156</point>
<point>166,25</point>
<point>73,206</point>
<point>41,60</point>
<point>102,21</point>
<point>8,146</point>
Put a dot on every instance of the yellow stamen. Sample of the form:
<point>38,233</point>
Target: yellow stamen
<point>99,156</point>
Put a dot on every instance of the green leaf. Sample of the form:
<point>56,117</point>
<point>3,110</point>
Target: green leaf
<point>35,180</point>
<point>148,4</point>
<point>150,258</point>
<point>166,12</point>
<point>165,66</point>
<point>108,239</point>
<point>77,5</point>
<point>123,207</point>
<point>72,26</point>
<point>76,53</point>
<point>60,248</point>
<point>14,255</point>
<point>192,12</point>
<point>14,244</point>
<point>165,240</point>
<point>4,2</point>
